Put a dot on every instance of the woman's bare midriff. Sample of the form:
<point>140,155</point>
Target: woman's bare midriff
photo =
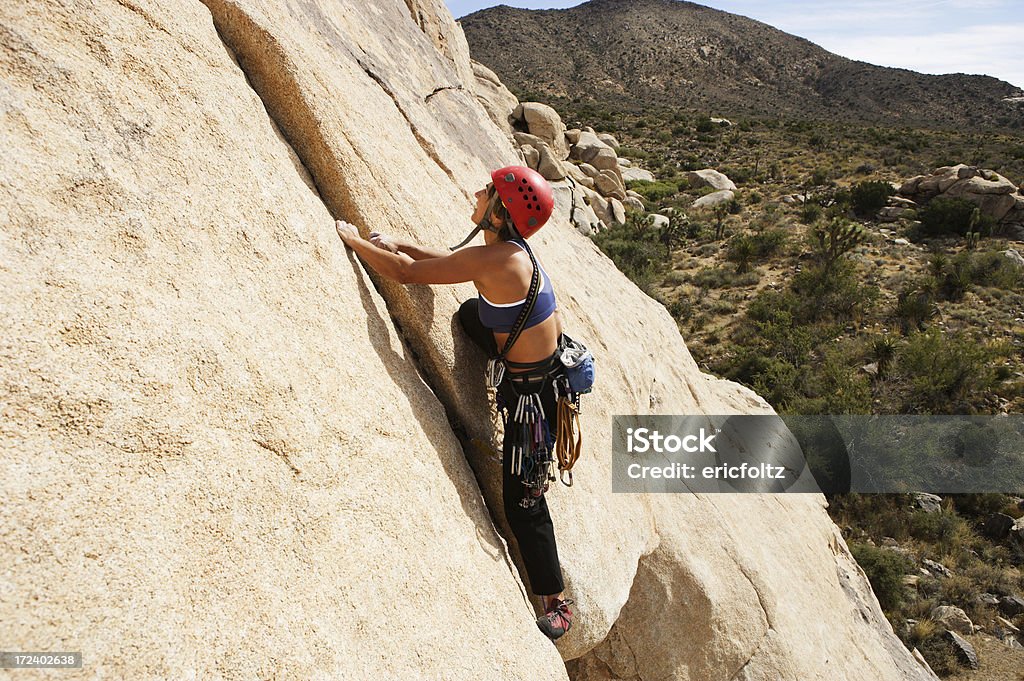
<point>535,343</point>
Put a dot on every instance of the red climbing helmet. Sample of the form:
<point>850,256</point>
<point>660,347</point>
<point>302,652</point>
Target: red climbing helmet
<point>526,196</point>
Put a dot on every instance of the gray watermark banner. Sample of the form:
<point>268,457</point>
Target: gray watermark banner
<point>828,454</point>
<point>40,660</point>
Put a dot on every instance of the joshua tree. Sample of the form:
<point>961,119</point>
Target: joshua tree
<point>837,238</point>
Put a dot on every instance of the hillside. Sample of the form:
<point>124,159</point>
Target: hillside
<point>641,54</point>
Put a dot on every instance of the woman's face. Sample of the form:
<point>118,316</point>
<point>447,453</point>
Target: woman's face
<point>481,204</point>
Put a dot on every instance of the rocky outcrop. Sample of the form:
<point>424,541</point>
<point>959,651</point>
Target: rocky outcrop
<point>582,159</point>
<point>994,194</point>
<point>226,449</point>
<point>715,199</point>
<point>544,122</point>
<point>710,178</point>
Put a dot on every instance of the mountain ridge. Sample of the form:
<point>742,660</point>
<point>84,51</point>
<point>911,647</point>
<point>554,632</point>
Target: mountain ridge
<point>673,53</point>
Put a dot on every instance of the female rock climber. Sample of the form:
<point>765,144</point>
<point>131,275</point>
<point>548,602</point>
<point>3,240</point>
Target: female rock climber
<point>515,204</point>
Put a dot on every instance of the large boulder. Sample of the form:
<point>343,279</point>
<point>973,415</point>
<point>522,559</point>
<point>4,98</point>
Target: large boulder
<point>634,203</point>
<point>212,417</point>
<point>549,166</point>
<point>608,139</point>
<point>544,122</point>
<point>618,211</point>
<point>714,199</point>
<point>710,178</point>
<point>531,156</point>
<point>634,173</point>
<point>610,184</point>
<point>997,205</point>
<point>576,173</point>
<point>588,145</point>
<point>953,618</point>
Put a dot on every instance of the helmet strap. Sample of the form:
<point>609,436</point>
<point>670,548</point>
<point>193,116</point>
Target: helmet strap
<point>484,223</point>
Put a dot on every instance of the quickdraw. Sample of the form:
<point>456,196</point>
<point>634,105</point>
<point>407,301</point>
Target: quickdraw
<point>530,447</point>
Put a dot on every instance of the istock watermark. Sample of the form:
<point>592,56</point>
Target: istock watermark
<point>830,454</point>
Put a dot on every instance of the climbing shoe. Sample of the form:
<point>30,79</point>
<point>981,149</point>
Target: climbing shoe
<point>557,620</point>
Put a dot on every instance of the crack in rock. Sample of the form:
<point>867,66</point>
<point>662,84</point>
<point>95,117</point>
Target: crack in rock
<point>441,89</point>
<point>428,148</point>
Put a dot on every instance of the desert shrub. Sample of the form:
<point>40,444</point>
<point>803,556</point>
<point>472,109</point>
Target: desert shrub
<point>809,213</point>
<point>834,240</point>
<point>633,152</point>
<point>915,306</point>
<point>653,191</point>
<point>832,293</point>
<point>868,197</point>
<point>939,656</point>
<point>885,569</point>
<point>634,250</point>
<point>833,387</point>
<point>956,279</point>
<point>978,505</point>
<point>741,251</point>
<point>994,269</point>
<point>709,278</point>
<point>942,373</point>
<point>953,216</point>
<point>769,242</point>
<point>959,590</point>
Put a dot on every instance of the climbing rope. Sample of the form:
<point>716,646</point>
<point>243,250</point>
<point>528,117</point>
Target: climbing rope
<point>568,437</point>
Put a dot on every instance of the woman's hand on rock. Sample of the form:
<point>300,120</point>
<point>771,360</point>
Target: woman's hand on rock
<point>383,241</point>
<point>346,231</point>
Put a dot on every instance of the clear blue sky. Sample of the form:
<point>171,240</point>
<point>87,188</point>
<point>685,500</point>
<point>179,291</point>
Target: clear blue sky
<point>930,36</point>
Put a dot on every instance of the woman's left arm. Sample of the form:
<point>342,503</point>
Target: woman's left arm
<point>464,265</point>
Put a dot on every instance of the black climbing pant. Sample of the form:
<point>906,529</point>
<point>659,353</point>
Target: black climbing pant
<point>532,526</point>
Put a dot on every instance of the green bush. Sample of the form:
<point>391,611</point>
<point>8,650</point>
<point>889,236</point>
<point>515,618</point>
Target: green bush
<point>832,292</point>
<point>943,373</point>
<point>914,307</point>
<point>833,387</point>
<point>633,152</point>
<point>809,213</point>
<point>635,250</point>
<point>870,196</point>
<point>769,242</point>
<point>994,269</point>
<point>979,505</point>
<point>885,569</point>
<point>741,251</point>
<point>653,191</point>
<point>953,216</point>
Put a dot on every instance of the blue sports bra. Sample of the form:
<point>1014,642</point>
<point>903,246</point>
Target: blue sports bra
<point>501,317</point>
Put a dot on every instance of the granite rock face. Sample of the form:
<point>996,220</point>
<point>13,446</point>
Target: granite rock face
<point>210,413</point>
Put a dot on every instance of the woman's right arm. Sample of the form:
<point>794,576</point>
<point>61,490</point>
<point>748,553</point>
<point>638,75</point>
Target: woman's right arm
<point>412,250</point>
